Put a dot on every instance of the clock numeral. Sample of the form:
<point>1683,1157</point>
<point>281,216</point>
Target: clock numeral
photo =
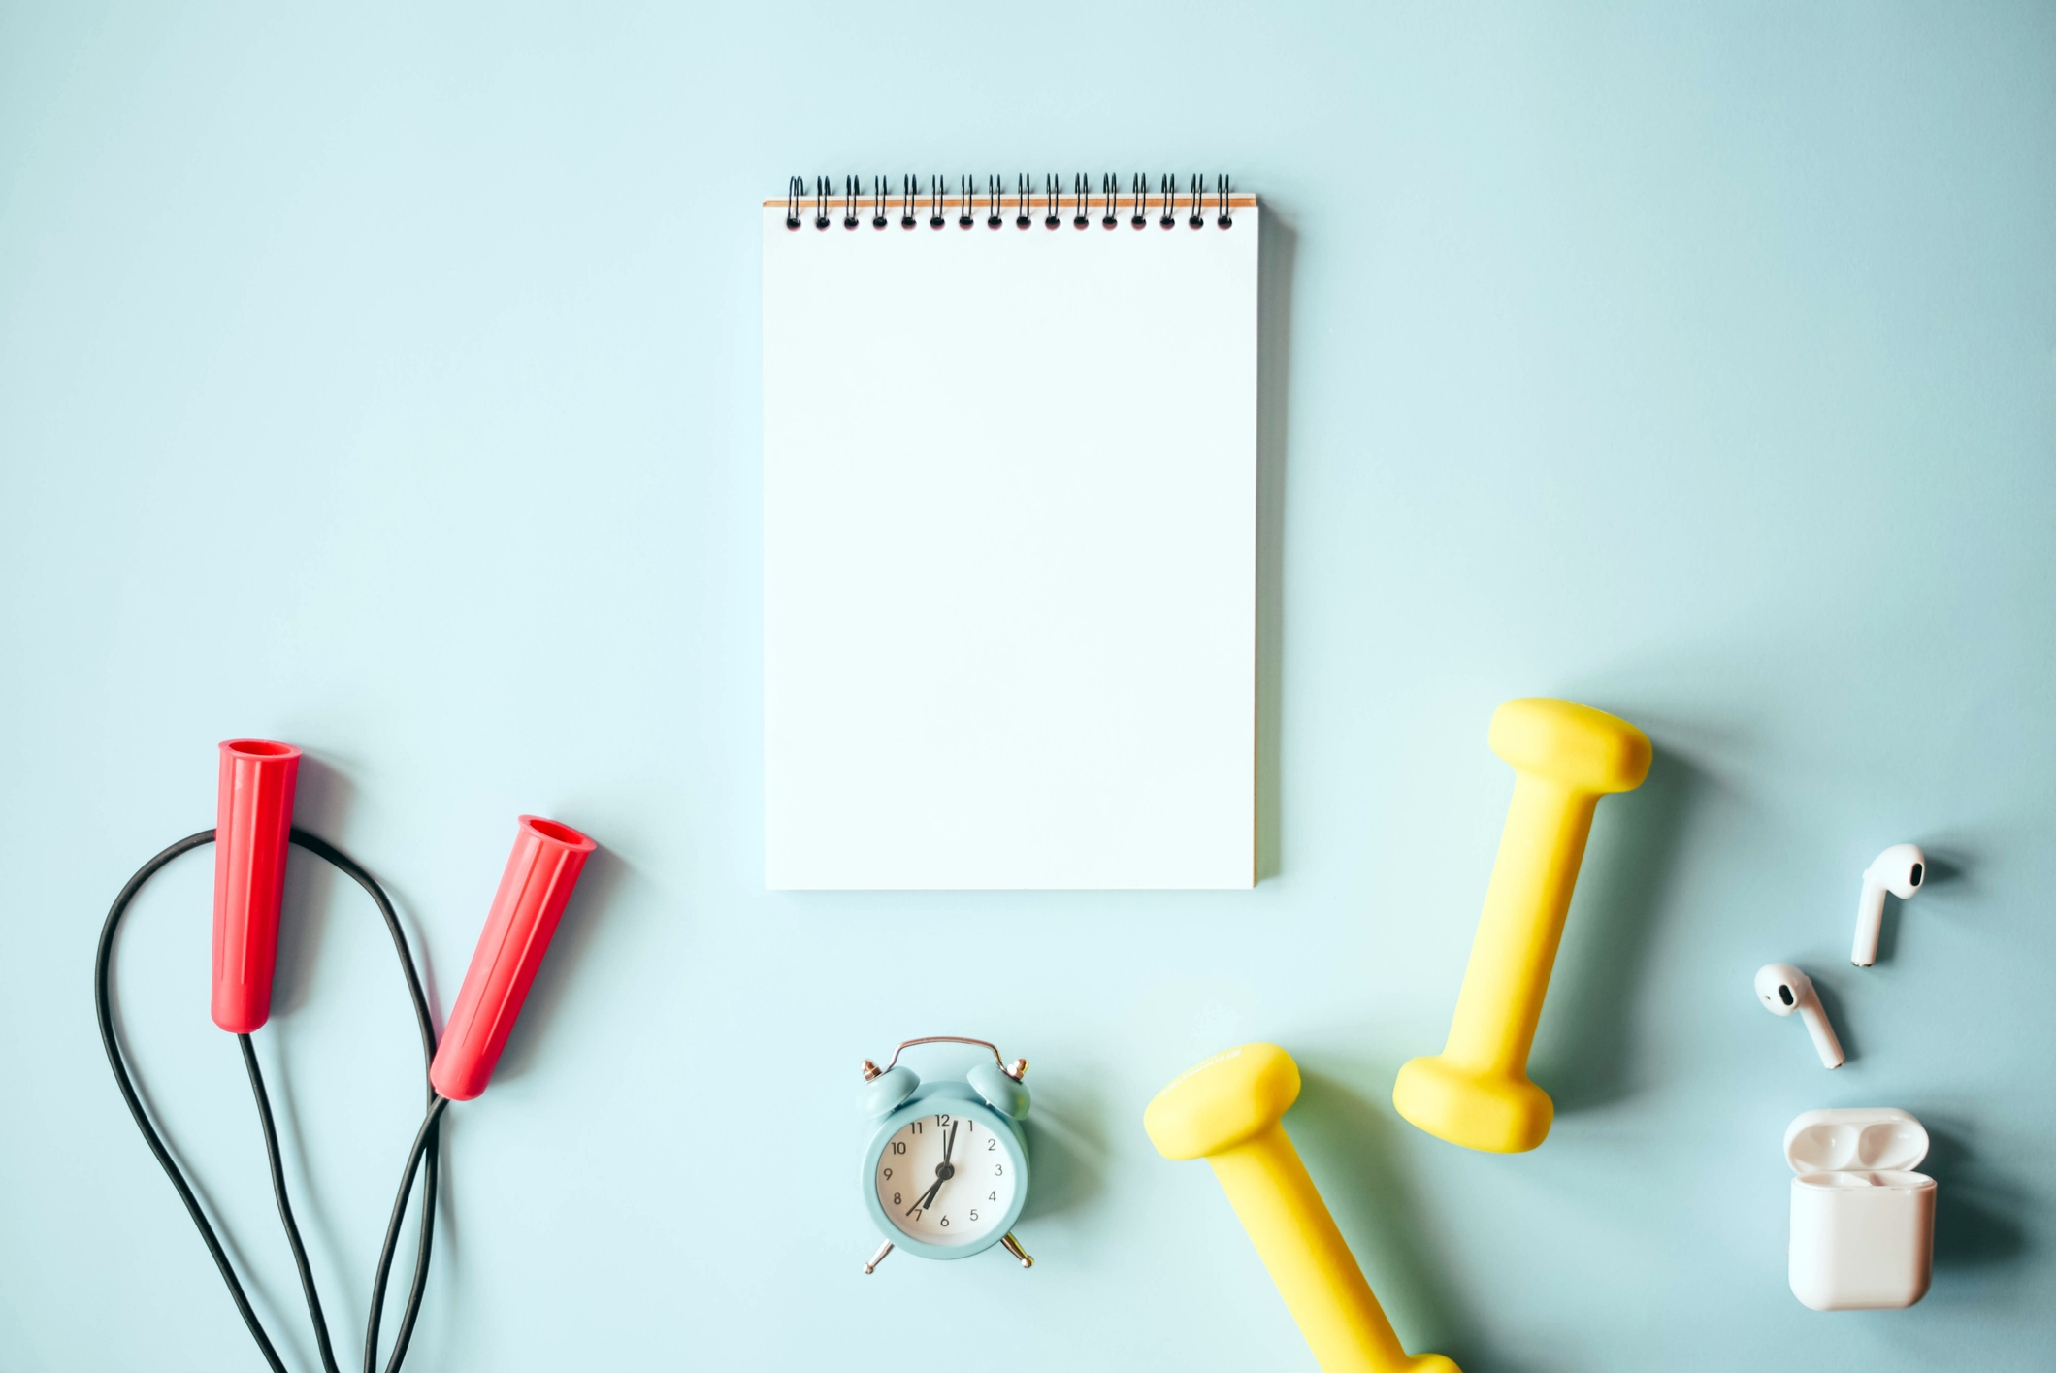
<point>991,1144</point>
<point>899,1146</point>
<point>998,1171</point>
<point>915,1127</point>
<point>895,1198</point>
<point>992,1196</point>
<point>974,1215</point>
<point>942,1122</point>
<point>945,1220</point>
<point>888,1175</point>
<point>917,1214</point>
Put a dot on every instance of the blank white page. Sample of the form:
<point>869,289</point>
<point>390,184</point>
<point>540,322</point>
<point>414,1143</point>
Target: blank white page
<point>1010,555</point>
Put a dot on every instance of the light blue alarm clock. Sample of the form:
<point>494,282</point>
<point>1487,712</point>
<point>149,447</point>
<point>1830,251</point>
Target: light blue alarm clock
<point>946,1171</point>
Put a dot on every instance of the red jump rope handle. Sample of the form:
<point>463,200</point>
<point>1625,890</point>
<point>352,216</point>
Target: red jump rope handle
<point>253,818</point>
<point>540,874</point>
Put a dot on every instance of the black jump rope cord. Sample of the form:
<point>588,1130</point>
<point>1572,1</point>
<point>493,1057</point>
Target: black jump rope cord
<point>422,1158</point>
<point>285,1207</point>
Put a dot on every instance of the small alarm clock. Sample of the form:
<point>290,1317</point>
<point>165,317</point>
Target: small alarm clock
<point>946,1171</point>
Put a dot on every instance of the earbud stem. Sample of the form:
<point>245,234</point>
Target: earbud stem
<point>1870,915</point>
<point>1824,1042</point>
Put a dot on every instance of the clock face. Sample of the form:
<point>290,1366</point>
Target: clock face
<point>946,1179</point>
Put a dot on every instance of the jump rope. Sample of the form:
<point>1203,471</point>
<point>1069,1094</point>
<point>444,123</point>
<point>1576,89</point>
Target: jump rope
<point>254,807</point>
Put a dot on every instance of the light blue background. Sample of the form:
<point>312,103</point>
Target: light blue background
<point>388,382</point>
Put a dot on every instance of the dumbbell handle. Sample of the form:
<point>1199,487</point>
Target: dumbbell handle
<point>1309,1260</point>
<point>1525,903</point>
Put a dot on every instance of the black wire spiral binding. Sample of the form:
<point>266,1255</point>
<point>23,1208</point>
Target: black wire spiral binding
<point>1024,196</point>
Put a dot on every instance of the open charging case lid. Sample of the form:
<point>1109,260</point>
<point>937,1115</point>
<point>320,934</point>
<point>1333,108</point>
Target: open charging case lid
<point>1858,1143</point>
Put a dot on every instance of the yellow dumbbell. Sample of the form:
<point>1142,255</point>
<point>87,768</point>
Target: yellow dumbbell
<point>1227,1111</point>
<point>1476,1092</point>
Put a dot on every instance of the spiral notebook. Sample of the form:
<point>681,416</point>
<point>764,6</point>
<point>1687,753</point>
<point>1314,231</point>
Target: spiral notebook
<point>1010,472</point>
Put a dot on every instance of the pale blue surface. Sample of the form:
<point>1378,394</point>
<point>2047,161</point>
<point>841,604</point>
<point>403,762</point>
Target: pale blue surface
<point>1696,362</point>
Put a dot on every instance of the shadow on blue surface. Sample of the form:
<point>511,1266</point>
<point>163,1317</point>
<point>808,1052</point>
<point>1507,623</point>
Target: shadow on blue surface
<point>1348,1144</point>
<point>1948,867</point>
<point>1275,251</point>
<point>604,873</point>
<point>1067,1147</point>
<point>1979,1218</point>
<point>1584,1046</point>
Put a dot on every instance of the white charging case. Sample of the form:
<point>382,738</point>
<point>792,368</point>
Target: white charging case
<point>1863,1223</point>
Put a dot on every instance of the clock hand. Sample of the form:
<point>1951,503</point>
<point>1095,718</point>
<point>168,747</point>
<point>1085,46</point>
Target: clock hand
<point>925,1198</point>
<point>944,1171</point>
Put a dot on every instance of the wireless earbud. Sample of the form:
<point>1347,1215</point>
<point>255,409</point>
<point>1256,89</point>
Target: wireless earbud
<point>1899,870</point>
<point>1784,989</point>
